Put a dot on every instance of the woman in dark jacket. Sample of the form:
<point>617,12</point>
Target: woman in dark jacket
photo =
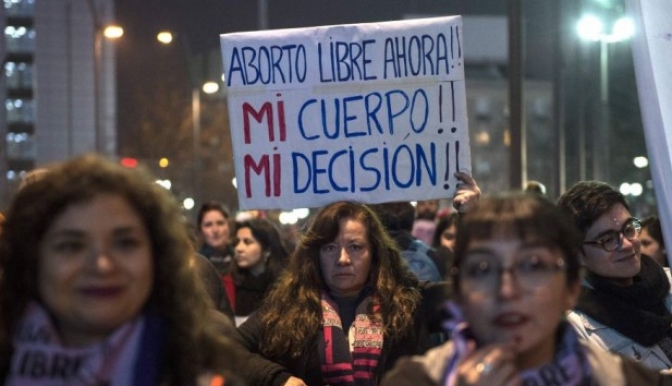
<point>344,310</point>
<point>259,256</point>
<point>626,300</point>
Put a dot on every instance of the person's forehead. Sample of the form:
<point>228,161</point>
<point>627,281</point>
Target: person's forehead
<point>613,219</point>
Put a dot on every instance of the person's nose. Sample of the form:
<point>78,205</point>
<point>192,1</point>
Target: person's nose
<point>509,286</point>
<point>625,243</point>
<point>344,258</point>
<point>102,261</point>
<point>239,247</point>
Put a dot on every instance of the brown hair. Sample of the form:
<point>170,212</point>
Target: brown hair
<point>292,311</point>
<point>176,295</point>
<point>527,216</point>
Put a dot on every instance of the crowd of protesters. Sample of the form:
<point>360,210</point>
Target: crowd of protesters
<point>103,280</point>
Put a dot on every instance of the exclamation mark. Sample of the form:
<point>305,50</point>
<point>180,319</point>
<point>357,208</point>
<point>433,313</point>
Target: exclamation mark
<point>452,52</point>
<point>459,45</point>
<point>446,175</point>
<point>457,155</point>
<point>440,108</point>
<point>452,100</point>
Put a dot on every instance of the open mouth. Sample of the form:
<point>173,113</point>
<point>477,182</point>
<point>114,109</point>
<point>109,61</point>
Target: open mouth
<point>510,320</point>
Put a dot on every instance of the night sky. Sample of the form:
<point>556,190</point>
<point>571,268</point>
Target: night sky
<point>142,63</point>
<point>203,20</point>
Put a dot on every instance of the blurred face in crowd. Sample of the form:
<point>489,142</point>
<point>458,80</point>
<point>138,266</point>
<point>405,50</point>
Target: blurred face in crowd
<point>95,268</point>
<point>651,247</point>
<point>515,292</point>
<point>448,237</point>
<point>427,209</point>
<point>215,229</point>
<point>249,253</point>
<point>620,264</point>
<point>346,261</point>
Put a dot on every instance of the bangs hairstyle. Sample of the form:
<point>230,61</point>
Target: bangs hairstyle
<point>529,217</point>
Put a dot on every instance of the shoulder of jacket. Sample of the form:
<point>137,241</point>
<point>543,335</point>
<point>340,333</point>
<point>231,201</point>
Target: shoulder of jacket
<point>434,361</point>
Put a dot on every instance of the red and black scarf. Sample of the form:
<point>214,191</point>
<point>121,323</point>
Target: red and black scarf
<point>352,359</point>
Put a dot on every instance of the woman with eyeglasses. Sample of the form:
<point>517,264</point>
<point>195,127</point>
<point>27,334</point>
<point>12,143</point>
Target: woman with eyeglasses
<point>625,303</point>
<point>516,274</point>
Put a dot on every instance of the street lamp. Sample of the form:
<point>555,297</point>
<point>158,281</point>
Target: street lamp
<point>100,31</point>
<point>591,28</point>
<point>113,32</point>
<point>209,87</point>
<point>164,37</point>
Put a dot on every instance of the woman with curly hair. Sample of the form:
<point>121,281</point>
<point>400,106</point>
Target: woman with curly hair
<point>343,311</point>
<point>97,287</point>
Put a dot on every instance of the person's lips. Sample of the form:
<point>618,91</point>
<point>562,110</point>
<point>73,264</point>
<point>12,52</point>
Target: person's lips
<point>510,320</point>
<point>627,259</point>
<point>101,291</point>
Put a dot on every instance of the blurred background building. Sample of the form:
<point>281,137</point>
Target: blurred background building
<point>58,84</point>
<point>154,97</point>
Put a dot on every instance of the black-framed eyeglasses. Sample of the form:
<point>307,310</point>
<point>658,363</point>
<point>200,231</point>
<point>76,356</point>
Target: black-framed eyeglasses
<point>611,240</point>
<point>530,273</point>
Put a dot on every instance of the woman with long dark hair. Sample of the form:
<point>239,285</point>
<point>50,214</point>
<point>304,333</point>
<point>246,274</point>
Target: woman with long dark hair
<point>259,256</point>
<point>342,312</point>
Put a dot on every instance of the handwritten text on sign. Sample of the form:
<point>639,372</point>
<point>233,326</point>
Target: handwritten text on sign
<point>367,112</point>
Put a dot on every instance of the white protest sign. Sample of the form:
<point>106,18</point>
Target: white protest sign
<point>652,52</point>
<point>364,112</point>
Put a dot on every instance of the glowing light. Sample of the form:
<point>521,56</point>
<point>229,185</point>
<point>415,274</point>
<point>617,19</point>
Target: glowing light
<point>301,213</point>
<point>129,162</point>
<point>188,203</point>
<point>624,29</point>
<point>641,162</point>
<point>166,184</point>
<point>624,188</point>
<point>210,87</point>
<point>164,162</point>
<point>590,28</point>
<point>113,32</point>
<point>165,37</point>
<point>287,218</point>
